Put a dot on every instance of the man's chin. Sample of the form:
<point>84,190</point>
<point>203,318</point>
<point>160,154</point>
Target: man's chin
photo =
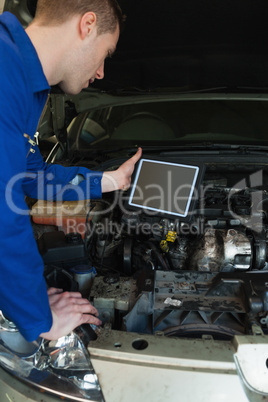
<point>86,85</point>
<point>71,90</point>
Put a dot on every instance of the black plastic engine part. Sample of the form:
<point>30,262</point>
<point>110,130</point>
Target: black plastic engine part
<point>62,250</point>
<point>59,278</point>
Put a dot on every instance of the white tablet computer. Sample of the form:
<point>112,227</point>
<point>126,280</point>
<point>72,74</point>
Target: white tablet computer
<point>165,187</point>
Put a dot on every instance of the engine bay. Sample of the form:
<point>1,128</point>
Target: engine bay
<point>147,273</point>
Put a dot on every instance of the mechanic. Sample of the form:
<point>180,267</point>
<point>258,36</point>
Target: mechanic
<point>66,44</point>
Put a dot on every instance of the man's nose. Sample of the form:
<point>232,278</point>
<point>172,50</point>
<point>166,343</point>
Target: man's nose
<point>100,72</point>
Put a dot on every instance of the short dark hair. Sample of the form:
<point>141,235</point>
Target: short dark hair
<point>54,12</point>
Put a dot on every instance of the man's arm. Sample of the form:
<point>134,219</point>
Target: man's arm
<point>52,181</point>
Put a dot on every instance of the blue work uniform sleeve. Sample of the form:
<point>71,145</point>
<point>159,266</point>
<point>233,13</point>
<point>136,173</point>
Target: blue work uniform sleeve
<point>23,293</point>
<point>52,182</point>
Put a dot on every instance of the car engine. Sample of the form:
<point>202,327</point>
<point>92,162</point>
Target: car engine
<point>153,274</point>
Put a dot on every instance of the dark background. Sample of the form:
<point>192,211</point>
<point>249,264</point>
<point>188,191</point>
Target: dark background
<point>191,44</point>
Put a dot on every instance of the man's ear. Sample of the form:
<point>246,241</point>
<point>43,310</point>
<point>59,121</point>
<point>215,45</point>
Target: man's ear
<point>88,22</point>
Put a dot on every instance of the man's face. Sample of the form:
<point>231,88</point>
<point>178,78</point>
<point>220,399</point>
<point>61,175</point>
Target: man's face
<point>87,64</point>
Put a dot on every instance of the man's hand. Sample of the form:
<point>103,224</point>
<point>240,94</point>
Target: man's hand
<point>120,179</point>
<point>69,310</point>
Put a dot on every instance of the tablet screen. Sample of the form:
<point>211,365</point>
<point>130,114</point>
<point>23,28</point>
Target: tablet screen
<point>164,187</point>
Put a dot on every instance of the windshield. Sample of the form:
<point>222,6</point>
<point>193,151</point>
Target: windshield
<point>171,122</point>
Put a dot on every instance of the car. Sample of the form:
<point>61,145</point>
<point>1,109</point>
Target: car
<point>177,265</point>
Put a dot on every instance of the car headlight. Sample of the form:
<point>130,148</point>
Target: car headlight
<point>61,367</point>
